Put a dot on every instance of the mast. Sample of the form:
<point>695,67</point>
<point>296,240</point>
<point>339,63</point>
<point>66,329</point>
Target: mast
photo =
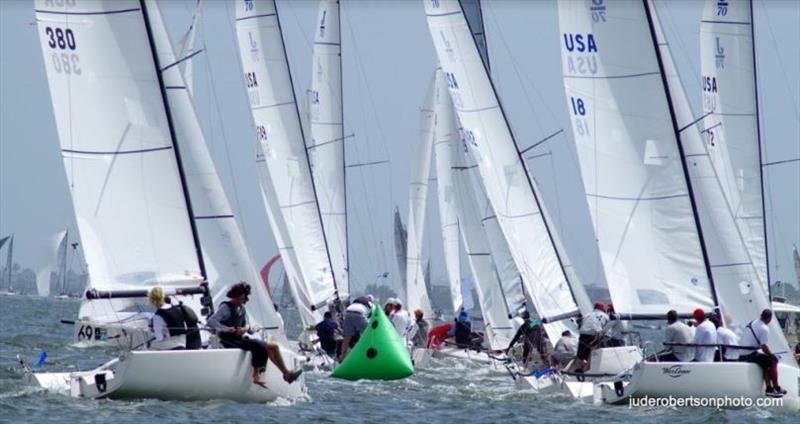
<point>758,141</point>
<point>308,162</point>
<point>528,179</point>
<point>173,138</point>
<point>676,131</point>
<point>344,150</point>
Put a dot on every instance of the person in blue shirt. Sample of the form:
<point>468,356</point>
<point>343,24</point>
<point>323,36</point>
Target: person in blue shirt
<point>326,333</point>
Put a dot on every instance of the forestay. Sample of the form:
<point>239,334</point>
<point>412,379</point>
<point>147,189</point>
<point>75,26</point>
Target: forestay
<point>740,295</point>
<point>118,154</point>
<point>225,252</point>
<point>489,139</point>
<point>278,129</point>
<point>445,140</point>
<point>731,130</point>
<point>326,142</point>
<point>631,166</point>
<point>416,292</point>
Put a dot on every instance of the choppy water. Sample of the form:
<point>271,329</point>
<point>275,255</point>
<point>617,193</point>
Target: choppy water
<point>445,392</point>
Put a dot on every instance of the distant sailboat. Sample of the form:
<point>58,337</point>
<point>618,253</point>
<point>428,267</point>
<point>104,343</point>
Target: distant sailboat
<point>5,276</point>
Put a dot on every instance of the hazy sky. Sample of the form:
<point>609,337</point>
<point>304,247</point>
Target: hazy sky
<point>388,60</point>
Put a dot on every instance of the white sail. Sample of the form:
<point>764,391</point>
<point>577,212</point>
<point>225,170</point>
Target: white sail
<point>796,259</point>
<point>61,263</point>
<point>631,166</point>
<point>186,47</point>
<point>489,138</point>
<point>416,292</point>
<point>9,268</point>
<point>491,296</point>
<point>444,146</point>
<point>731,130</point>
<point>3,269</point>
<point>400,240</point>
<point>50,265</point>
<point>118,153</point>
<point>225,252</point>
<point>326,142</point>
<point>736,282</point>
<point>278,129</point>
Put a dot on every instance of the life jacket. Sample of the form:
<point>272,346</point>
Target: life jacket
<point>238,318</point>
<point>463,334</point>
<point>173,317</point>
<point>193,339</point>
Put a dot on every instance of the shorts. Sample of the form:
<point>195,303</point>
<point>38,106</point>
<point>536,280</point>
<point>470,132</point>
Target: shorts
<point>354,323</point>
<point>762,359</point>
<point>585,343</point>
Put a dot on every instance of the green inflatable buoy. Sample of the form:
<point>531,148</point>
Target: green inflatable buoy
<point>380,354</point>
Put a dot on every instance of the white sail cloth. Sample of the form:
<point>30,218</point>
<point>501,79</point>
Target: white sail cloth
<point>489,139</point>
<point>225,252</point>
<point>731,128</point>
<point>123,167</point>
<point>278,130</point>
<point>631,166</point>
<point>326,141</point>
<point>416,292</point>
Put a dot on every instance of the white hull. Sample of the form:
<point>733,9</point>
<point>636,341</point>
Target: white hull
<point>703,380</point>
<point>478,357</point>
<point>176,375</point>
<point>421,357</point>
<point>128,332</point>
<point>607,363</point>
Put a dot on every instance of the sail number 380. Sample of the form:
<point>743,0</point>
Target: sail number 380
<point>62,38</point>
<point>65,61</point>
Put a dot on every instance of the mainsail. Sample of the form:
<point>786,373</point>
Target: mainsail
<point>283,150</point>
<point>416,292</point>
<point>727,62</point>
<point>446,138</point>
<point>123,167</point>
<point>225,252</point>
<point>636,189</point>
<point>326,141</point>
<point>508,187</point>
<point>7,269</point>
<point>51,262</point>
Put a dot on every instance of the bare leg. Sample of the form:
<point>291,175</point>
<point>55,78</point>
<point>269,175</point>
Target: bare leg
<point>274,354</point>
<point>345,346</point>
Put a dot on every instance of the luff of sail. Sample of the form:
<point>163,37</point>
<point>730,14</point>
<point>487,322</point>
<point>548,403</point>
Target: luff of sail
<point>489,138</point>
<point>326,141</point>
<point>445,138</point>
<point>630,162</point>
<point>496,312</point>
<point>416,292</point>
<point>735,277</point>
<point>400,240</point>
<point>731,132</point>
<point>278,129</point>
<point>225,252</point>
<point>186,49</point>
<point>123,167</point>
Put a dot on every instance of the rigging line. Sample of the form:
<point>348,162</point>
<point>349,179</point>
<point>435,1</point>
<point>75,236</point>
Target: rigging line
<point>377,162</point>
<point>780,162</point>
<point>538,143</point>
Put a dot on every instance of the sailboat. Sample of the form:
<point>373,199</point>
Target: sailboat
<point>8,289</point>
<point>557,296</point>
<point>179,232</point>
<point>651,187</point>
<point>55,265</point>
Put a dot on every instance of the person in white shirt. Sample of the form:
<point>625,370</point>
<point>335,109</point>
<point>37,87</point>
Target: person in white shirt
<point>755,336</point>
<point>704,337</point>
<point>680,333</point>
<point>356,319</point>
<point>726,338</point>
<point>401,319</point>
<point>591,334</point>
<point>565,349</point>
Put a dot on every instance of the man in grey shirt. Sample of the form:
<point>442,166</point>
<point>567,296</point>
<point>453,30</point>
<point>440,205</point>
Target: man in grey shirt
<point>677,332</point>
